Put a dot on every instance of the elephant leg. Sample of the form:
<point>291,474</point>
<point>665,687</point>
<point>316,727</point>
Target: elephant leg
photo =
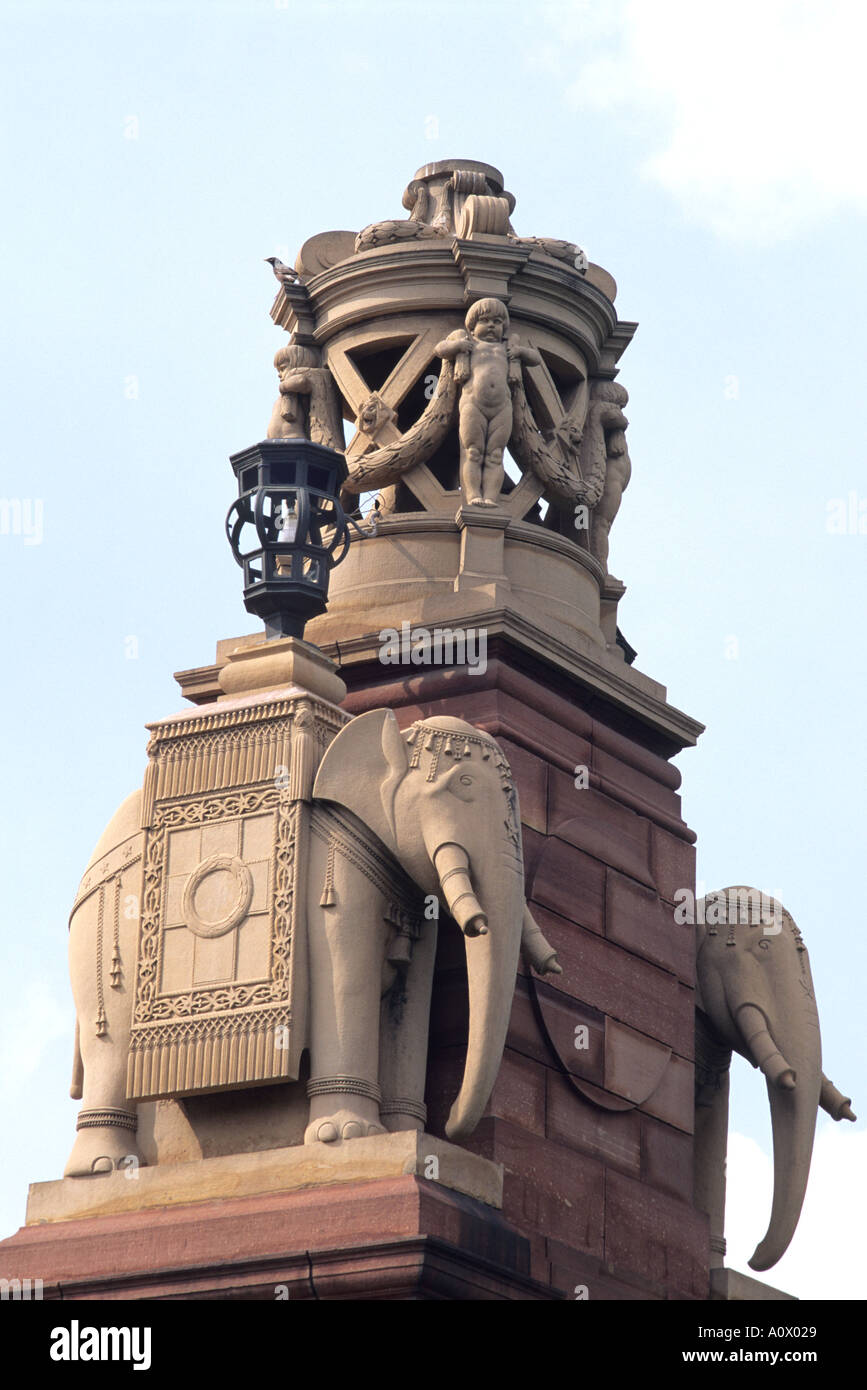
<point>346,946</point>
<point>403,1032</point>
<point>105,1138</point>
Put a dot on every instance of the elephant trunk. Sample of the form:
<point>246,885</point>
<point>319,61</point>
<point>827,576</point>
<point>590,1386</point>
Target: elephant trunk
<point>492,960</point>
<point>793,1071</point>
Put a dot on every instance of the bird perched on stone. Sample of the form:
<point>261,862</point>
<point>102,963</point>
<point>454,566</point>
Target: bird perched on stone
<point>284,273</point>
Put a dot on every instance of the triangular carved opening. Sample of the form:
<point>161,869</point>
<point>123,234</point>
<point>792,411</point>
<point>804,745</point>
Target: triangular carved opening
<point>418,396</point>
<point>566,377</point>
<point>445,464</point>
<point>405,499</point>
<point>376,364</point>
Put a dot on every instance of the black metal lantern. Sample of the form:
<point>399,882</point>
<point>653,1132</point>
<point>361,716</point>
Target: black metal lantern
<point>287,530</point>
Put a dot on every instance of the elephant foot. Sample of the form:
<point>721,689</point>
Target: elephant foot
<point>343,1124</point>
<point>103,1149</point>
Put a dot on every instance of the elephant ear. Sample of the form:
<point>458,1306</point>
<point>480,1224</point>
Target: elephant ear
<point>362,770</point>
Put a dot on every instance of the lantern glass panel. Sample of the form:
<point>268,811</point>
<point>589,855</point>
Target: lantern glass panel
<point>283,471</point>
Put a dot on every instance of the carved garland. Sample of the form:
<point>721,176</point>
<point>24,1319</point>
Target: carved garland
<point>546,458</point>
<point>381,467</point>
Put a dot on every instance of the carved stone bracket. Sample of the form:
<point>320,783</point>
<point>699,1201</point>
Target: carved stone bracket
<point>482,564</point>
<point>488,266</point>
<point>293,311</point>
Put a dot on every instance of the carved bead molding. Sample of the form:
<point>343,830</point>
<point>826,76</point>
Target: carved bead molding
<point>110,1116</point>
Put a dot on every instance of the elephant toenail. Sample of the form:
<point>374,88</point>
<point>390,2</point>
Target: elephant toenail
<point>327,1133</point>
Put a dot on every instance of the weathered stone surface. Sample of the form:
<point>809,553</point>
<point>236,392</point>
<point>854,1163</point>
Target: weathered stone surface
<point>599,826</point>
<point>621,984</point>
<point>730,1286</point>
<point>652,1234</point>
<point>635,917</point>
<point>576,1032</point>
<point>604,1134</point>
<point>666,1158</point>
<point>519,1093</point>
<point>367,1240</point>
<point>272,1170</point>
<point>549,1189</point>
<point>673,1099</point>
<point>574,1274</point>
<point>673,861</point>
<point>634,1064</point>
<point>531,779</point>
<point>621,775</point>
<point>524,1035</point>
<point>570,883</point>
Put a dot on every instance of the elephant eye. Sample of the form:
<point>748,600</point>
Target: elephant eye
<point>764,945</point>
<point>466,781</point>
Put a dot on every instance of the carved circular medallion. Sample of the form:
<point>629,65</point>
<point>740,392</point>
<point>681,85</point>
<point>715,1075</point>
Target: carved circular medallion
<point>217,895</point>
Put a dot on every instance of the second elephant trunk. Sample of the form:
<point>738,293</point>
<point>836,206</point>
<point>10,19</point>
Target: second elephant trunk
<point>790,1056</point>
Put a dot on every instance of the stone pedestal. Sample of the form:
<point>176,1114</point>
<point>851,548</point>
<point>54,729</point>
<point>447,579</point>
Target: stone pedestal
<point>482,565</point>
<point>365,1220</point>
<point>730,1286</point>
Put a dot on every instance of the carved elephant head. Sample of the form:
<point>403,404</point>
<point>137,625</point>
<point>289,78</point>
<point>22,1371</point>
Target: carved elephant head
<point>755,996</point>
<point>441,798</point>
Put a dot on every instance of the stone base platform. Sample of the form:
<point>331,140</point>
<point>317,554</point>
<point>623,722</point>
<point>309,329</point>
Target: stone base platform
<point>730,1286</point>
<point>359,1220</point>
<point>267,1171</point>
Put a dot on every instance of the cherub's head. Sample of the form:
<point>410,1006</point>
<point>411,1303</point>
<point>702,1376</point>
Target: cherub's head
<point>488,319</point>
<point>294,358</point>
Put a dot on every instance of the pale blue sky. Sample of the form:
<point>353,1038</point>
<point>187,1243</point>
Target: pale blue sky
<point>713,163</point>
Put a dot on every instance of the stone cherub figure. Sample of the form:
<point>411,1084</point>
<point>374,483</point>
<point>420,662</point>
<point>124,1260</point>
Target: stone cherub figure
<point>288,418</point>
<point>487,364</point>
<point>307,407</point>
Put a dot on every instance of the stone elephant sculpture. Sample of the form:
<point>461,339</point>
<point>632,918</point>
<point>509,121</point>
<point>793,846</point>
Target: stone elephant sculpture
<point>755,996</point>
<point>399,825</point>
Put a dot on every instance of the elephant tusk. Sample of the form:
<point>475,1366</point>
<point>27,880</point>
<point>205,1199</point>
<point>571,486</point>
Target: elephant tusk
<point>838,1106</point>
<point>762,1048</point>
<point>539,953</point>
<point>452,866</point>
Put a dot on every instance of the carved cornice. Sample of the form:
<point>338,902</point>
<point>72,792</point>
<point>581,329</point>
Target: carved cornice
<point>426,277</point>
<point>625,688</point>
<point>231,714</point>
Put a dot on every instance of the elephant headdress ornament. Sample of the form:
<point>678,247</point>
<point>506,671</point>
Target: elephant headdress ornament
<point>755,996</point>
